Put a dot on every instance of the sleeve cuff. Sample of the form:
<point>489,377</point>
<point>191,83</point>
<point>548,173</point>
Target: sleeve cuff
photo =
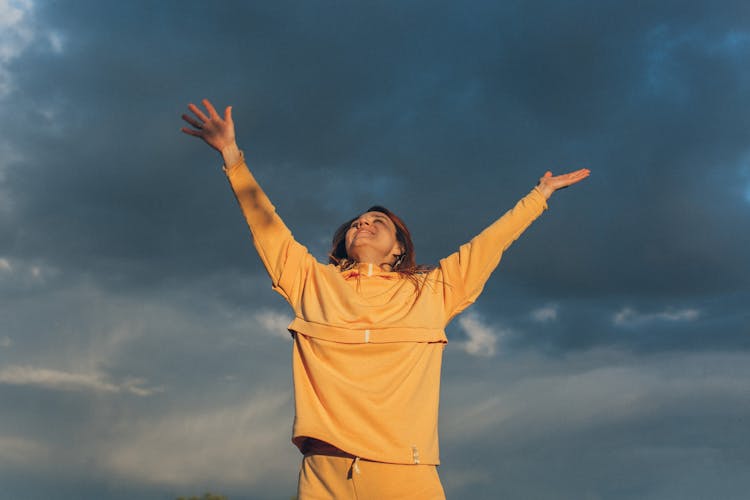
<point>228,169</point>
<point>542,199</point>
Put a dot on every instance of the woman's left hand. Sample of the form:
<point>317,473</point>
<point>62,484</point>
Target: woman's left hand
<point>548,183</point>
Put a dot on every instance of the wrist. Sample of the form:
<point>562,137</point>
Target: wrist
<point>231,154</point>
<point>545,190</point>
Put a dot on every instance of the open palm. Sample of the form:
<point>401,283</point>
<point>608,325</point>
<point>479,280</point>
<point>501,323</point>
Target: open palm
<point>218,132</point>
<point>548,183</point>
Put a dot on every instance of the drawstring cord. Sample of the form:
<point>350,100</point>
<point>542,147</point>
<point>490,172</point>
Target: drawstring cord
<point>355,465</point>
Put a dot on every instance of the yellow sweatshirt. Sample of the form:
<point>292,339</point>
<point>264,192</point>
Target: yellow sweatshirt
<point>367,347</point>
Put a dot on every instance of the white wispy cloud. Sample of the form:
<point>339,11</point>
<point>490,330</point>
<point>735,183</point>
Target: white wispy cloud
<point>274,322</point>
<point>6,341</point>
<point>16,450</point>
<point>16,34</point>
<point>545,314</point>
<point>535,396</point>
<point>25,273</point>
<point>56,42</point>
<point>18,31</point>
<point>631,317</point>
<point>230,445</point>
<point>482,339</point>
<point>69,381</point>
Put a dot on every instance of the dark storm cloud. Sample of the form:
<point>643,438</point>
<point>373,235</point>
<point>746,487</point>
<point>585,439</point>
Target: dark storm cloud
<point>454,113</point>
<point>466,108</point>
<point>125,265</point>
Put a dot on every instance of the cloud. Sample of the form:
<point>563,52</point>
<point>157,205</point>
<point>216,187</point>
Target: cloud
<point>56,42</point>
<point>6,341</point>
<point>630,317</point>
<point>274,323</point>
<point>67,381</point>
<point>16,34</point>
<point>655,416</point>
<point>545,314</point>
<point>20,274</point>
<point>231,445</point>
<point>482,339</point>
<point>533,396</point>
<point>8,155</point>
<point>335,116</point>
<point>21,451</point>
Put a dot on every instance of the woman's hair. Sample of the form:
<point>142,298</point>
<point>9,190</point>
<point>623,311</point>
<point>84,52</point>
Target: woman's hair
<point>405,264</point>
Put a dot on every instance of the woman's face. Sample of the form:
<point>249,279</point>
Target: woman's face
<point>372,238</point>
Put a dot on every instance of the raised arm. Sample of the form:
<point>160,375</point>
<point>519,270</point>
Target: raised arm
<point>466,271</point>
<point>282,256</point>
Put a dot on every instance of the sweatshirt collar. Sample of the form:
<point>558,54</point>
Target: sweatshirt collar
<point>366,269</point>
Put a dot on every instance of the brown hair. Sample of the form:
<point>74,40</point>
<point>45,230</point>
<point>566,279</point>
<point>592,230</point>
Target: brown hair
<point>406,264</point>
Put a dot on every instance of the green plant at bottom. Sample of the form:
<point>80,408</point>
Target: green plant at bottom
<point>206,496</point>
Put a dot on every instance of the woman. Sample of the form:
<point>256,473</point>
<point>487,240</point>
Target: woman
<point>368,331</point>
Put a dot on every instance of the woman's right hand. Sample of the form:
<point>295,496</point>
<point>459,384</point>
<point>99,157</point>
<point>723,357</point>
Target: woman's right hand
<point>216,131</point>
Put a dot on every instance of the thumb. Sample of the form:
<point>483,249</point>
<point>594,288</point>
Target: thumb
<point>228,114</point>
<point>548,174</point>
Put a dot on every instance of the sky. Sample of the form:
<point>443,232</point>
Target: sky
<point>143,353</point>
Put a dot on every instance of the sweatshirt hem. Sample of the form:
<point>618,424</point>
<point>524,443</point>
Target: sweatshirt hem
<point>408,454</point>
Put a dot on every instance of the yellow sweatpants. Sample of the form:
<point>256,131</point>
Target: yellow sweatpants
<point>327,477</point>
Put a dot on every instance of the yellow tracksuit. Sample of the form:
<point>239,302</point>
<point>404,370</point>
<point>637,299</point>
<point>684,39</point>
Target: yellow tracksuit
<point>367,347</point>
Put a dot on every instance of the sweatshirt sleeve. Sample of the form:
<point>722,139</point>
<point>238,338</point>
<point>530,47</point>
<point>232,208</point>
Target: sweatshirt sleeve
<point>282,256</point>
<point>466,271</point>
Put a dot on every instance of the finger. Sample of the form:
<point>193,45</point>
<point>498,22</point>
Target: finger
<point>572,180</point>
<point>197,112</point>
<point>192,121</point>
<point>548,174</point>
<point>578,173</point>
<point>189,131</point>
<point>572,175</point>
<point>210,107</point>
<point>228,114</point>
